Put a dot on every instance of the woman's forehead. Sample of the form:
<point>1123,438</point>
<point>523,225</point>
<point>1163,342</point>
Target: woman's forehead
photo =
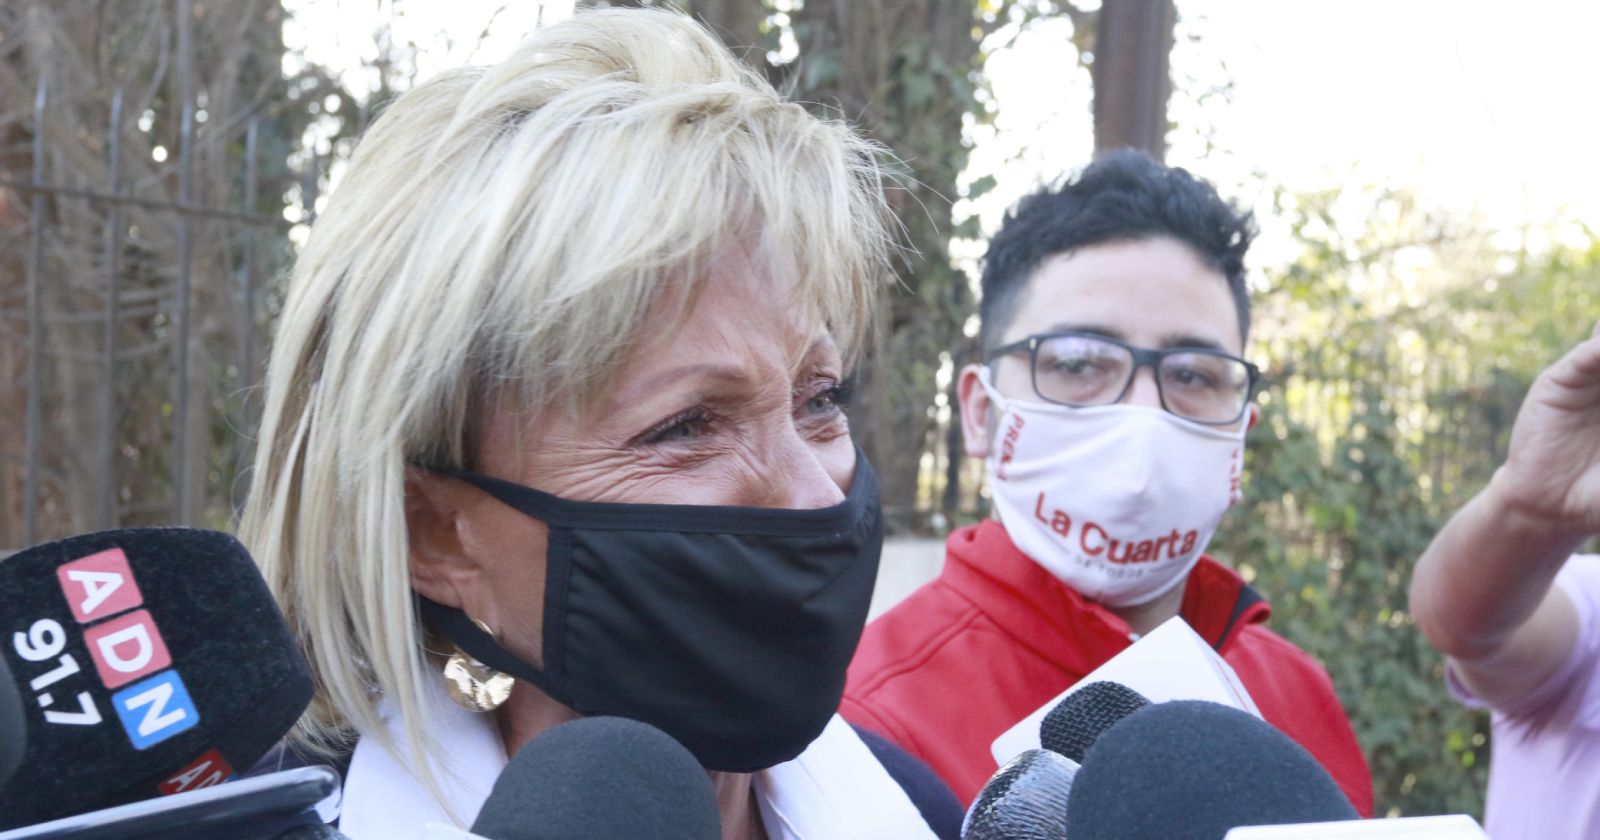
<point>744,328</point>
<point>741,325</point>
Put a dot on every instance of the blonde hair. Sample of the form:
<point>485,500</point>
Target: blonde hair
<point>501,231</point>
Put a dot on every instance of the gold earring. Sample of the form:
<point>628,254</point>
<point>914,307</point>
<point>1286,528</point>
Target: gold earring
<point>473,685</point>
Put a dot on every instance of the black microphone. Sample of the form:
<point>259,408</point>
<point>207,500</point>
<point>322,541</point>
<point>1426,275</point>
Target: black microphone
<point>275,806</point>
<point>601,777</point>
<point>1024,800</point>
<point>149,661</point>
<point>1194,770</point>
<point>13,727</point>
<point>313,831</point>
<point>1084,715</point>
<point>1027,798</point>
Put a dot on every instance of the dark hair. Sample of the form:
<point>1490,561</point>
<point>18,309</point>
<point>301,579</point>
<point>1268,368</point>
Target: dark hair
<point>1120,197</point>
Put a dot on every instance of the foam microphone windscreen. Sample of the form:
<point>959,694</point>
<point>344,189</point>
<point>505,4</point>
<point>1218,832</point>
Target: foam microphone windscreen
<point>1024,800</point>
<point>601,777</point>
<point>1193,770</point>
<point>149,661</point>
<point>1074,724</point>
<point>13,728</point>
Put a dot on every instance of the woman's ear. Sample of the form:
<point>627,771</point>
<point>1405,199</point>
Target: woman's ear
<point>975,420</point>
<point>440,567</point>
<point>1254,417</point>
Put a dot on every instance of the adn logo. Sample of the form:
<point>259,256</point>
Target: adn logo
<point>127,648</point>
<point>205,771</point>
<point>155,710</point>
<point>99,586</point>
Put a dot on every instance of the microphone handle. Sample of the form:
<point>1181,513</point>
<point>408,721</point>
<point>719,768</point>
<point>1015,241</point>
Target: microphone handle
<point>318,831</point>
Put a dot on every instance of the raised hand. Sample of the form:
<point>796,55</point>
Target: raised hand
<point>1551,476</point>
<point>1483,593</point>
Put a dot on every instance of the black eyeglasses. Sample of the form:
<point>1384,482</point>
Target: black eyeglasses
<point>1082,369</point>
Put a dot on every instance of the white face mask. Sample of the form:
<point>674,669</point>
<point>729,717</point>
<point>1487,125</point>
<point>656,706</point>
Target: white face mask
<point>1118,501</point>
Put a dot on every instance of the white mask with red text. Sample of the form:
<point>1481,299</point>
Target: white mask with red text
<point>1117,501</point>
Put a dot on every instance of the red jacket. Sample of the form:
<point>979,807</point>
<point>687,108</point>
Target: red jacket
<point>996,636</point>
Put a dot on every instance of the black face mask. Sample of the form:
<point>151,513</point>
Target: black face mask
<point>729,628</point>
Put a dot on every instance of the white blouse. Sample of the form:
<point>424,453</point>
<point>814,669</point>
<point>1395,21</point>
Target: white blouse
<point>835,790</point>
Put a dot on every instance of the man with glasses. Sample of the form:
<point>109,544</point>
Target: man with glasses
<point>1110,409</point>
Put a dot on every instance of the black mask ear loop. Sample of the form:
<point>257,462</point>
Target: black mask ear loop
<point>456,626</point>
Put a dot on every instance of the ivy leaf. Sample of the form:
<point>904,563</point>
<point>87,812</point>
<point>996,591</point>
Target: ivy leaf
<point>980,186</point>
<point>818,70</point>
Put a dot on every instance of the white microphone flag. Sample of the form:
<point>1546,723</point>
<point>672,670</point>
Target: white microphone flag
<point>1170,662</point>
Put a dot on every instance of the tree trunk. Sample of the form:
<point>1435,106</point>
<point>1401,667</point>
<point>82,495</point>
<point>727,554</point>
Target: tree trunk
<point>904,72</point>
<point>1131,78</point>
<point>738,22</point>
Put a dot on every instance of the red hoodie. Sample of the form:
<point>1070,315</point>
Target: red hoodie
<point>996,636</point>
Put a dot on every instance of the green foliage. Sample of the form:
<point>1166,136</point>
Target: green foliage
<point>1399,349</point>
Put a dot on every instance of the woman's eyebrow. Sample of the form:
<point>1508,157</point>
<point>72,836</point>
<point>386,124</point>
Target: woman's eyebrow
<point>697,372</point>
<point>821,345</point>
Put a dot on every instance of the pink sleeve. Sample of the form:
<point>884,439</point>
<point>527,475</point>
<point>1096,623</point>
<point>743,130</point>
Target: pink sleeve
<point>1576,679</point>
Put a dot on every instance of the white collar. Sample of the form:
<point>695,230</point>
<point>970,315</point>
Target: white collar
<point>835,790</point>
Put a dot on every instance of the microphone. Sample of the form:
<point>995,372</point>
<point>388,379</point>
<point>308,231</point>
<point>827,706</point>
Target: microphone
<point>1027,798</point>
<point>601,777</point>
<point>275,806</point>
<point>1170,662</point>
<point>1074,724</point>
<point>13,727</point>
<point>312,831</point>
<point>1193,770</point>
<point>148,661</point>
<point>1024,800</point>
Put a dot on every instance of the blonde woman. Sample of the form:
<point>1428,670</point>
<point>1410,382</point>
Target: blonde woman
<point>558,387</point>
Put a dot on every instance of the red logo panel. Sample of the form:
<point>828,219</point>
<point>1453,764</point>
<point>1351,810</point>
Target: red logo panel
<point>126,648</point>
<point>99,585</point>
<point>205,771</point>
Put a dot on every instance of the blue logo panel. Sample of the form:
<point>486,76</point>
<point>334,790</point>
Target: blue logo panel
<point>155,709</point>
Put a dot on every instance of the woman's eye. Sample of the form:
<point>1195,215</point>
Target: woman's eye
<point>820,403</point>
<point>677,431</point>
<point>828,401</point>
<point>681,429</point>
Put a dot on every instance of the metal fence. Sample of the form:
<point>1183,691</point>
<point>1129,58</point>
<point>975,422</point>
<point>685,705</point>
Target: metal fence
<point>143,268</point>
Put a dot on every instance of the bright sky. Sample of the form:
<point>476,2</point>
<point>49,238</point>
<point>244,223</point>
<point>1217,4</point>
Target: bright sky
<point>1477,105</point>
<point>1483,107</point>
